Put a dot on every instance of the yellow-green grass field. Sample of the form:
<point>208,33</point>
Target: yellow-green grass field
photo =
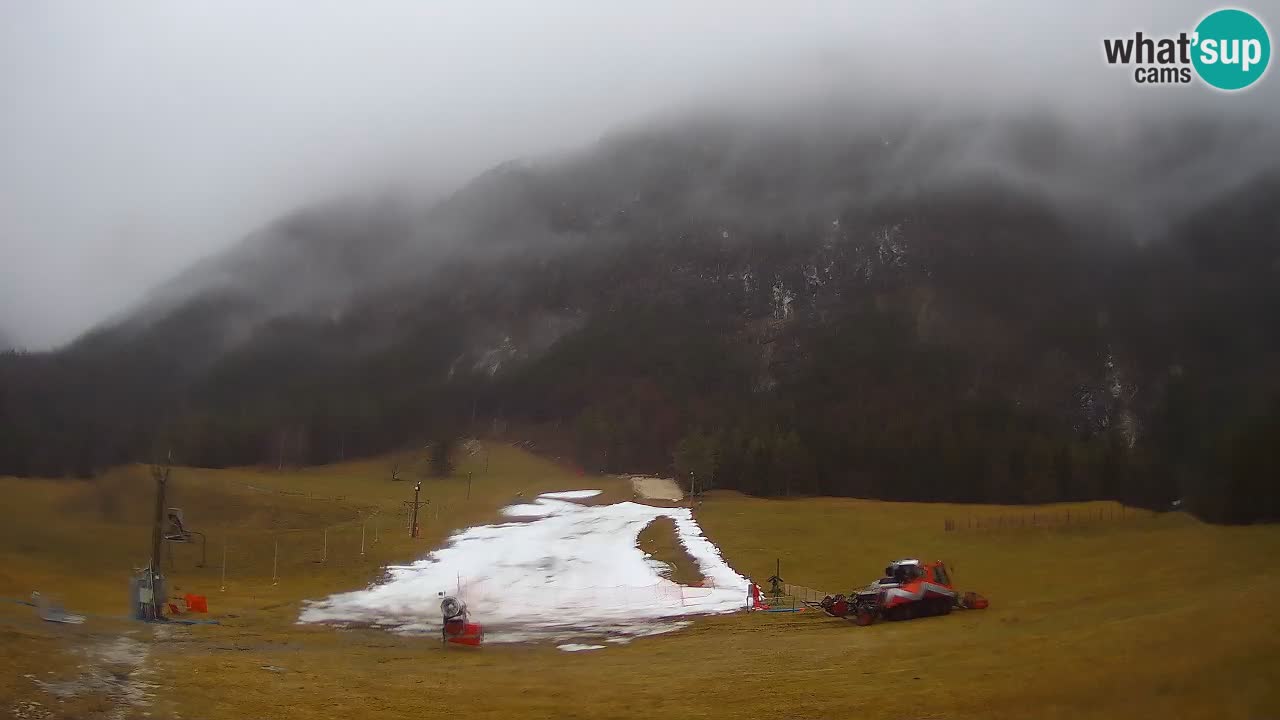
<point>1143,616</point>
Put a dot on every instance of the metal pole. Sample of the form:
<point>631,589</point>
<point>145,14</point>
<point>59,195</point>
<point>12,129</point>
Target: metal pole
<point>275,562</point>
<point>324,553</point>
<point>413,524</point>
<point>223,587</point>
<point>362,539</point>
<point>161,476</point>
<point>468,484</point>
<point>204,542</point>
<point>158,516</point>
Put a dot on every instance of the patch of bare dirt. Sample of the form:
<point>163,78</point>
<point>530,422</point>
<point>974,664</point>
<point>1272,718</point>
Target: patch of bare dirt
<point>656,488</point>
<point>660,543</point>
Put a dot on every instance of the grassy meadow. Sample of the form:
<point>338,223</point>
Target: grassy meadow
<point>1143,616</point>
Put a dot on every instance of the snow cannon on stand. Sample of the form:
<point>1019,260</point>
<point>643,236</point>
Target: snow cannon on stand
<point>778,599</point>
<point>457,627</point>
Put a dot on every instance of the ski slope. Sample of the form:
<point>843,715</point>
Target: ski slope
<point>559,570</point>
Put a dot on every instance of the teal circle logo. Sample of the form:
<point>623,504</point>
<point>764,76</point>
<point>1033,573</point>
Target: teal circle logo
<point>1232,49</point>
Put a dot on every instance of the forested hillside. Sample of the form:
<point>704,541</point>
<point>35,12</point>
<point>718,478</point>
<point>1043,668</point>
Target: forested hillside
<point>978,310</point>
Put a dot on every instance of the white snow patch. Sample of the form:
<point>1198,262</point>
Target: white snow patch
<point>663,569</point>
<point>566,572</point>
<point>576,647</point>
<point>571,494</point>
<point>541,507</point>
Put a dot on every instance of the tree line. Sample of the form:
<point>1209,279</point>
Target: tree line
<point>869,411</point>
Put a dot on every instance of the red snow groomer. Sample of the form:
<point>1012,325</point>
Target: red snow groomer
<point>457,628</point>
<point>909,589</point>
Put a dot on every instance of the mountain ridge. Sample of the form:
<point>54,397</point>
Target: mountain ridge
<point>701,279</point>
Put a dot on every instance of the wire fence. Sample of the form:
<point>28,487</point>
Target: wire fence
<point>297,493</point>
<point>223,560</point>
<point>803,594</point>
<point>368,548</point>
<point>479,592</point>
<point>1051,518</point>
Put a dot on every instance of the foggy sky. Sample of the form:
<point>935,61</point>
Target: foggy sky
<point>137,137</point>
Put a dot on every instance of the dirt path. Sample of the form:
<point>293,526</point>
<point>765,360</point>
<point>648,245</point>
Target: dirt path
<point>660,542</point>
<point>655,488</point>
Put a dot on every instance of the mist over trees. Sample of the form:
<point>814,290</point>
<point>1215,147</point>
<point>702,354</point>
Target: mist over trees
<point>970,310</point>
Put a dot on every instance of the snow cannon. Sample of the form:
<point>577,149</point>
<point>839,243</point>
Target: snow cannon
<point>457,629</point>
